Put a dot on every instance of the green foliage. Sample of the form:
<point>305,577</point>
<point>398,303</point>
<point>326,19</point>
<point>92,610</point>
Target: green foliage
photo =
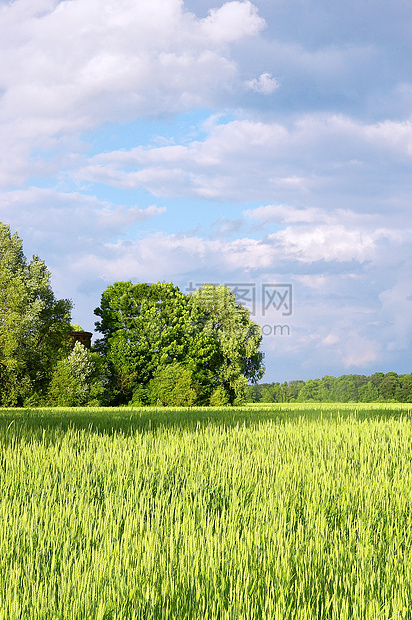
<point>75,327</point>
<point>76,380</point>
<point>147,327</point>
<point>144,327</point>
<point>368,393</point>
<point>219,397</point>
<point>236,337</point>
<point>34,326</point>
<point>379,387</point>
<point>311,391</point>
<point>173,386</point>
<point>139,398</point>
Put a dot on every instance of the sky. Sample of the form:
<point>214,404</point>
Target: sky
<point>264,145</point>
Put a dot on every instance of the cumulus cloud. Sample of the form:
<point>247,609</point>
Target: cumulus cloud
<point>331,242</point>
<point>265,84</point>
<point>160,254</point>
<point>68,222</point>
<point>312,215</point>
<point>72,65</point>
<point>292,215</point>
<point>396,312</point>
<point>331,156</point>
<point>232,21</point>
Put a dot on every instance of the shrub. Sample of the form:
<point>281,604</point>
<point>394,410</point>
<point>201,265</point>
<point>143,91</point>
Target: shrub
<point>173,386</point>
<point>219,397</point>
<point>76,380</point>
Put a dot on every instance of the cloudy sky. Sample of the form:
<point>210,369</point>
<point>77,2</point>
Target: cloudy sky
<point>265,145</point>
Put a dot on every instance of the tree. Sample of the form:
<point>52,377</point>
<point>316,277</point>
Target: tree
<point>236,337</point>
<point>405,390</point>
<point>281,392</point>
<point>368,393</point>
<point>34,326</point>
<point>310,391</point>
<point>389,386</point>
<point>294,388</point>
<point>267,393</point>
<point>146,327</point>
<point>76,380</point>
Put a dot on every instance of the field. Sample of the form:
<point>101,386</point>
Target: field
<point>271,512</point>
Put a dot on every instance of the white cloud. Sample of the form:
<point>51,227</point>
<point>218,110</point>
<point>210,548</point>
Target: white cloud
<point>396,312</point>
<point>308,244</point>
<point>72,65</point>
<point>331,339</point>
<point>232,21</point>
<point>359,352</point>
<point>265,84</point>
<point>157,255</point>
<point>292,215</point>
<point>355,350</point>
<point>68,222</point>
<point>337,158</point>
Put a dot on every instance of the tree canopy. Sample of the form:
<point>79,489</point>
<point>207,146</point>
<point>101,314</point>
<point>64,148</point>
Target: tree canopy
<point>379,387</point>
<point>33,324</point>
<point>146,327</point>
<point>237,339</point>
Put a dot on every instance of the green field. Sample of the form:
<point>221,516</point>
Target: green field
<point>271,512</point>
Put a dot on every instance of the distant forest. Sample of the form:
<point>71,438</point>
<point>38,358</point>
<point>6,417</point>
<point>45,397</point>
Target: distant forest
<point>379,387</point>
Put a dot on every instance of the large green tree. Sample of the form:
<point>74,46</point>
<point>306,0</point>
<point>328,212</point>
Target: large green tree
<point>146,327</point>
<point>34,325</point>
<point>237,339</point>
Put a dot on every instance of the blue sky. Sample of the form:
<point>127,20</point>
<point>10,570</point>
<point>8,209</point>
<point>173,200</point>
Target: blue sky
<point>264,143</point>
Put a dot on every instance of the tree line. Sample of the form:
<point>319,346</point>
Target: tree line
<point>157,345</point>
<point>378,387</point>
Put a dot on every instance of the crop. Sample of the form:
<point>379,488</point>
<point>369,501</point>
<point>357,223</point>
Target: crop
<point>256,513</point>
